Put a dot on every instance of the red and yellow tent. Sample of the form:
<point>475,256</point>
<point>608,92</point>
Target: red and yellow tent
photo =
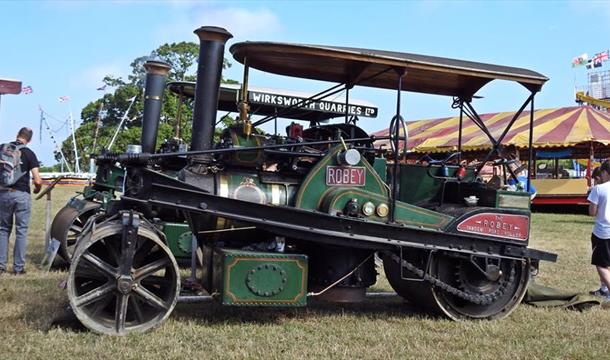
<point>560,127</point>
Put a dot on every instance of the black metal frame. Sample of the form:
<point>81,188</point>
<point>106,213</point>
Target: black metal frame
<point>167,192</point>
<point>496,144</point>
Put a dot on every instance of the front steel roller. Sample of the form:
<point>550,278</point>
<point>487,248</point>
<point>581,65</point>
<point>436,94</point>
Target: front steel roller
<point>458,285</point>
<point>112,298</point>
<point>68,225</point>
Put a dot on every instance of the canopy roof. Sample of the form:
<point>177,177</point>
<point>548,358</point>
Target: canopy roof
<point>266,102</point>
<point>377,68</point>
<point>561,127</point>
<point>10,86</point>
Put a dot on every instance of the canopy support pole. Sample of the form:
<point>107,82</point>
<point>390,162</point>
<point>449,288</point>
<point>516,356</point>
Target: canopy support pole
<point>497,142</point>
<point>531,150</point>
<point>347,105</point>
<point>396,130</point>
<point>476,119</point>
<point>460,130</point>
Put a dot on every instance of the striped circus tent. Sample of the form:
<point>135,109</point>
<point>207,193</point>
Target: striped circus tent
<point>560,127</point>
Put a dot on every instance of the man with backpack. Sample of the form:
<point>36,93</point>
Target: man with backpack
<point>16,163</point>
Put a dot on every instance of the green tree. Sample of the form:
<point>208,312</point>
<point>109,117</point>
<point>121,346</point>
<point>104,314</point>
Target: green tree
<point>103,116</point>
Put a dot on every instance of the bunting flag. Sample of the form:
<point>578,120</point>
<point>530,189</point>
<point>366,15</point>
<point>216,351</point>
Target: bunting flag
<point>27,90</point>
<point>64,98</point>
<point>580,60</point>
<point>565,126</point>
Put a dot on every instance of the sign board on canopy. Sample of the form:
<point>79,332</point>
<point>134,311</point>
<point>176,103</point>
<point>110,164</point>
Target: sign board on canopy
<point>285,101</point>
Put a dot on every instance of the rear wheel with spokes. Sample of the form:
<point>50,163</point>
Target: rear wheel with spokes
<point>111,298</point>
<point>68,225</point>
<point>497,285</point>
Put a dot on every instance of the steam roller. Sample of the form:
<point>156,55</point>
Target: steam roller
<point>284,218</point>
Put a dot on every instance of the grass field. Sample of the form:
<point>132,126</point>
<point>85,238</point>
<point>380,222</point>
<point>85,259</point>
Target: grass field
<point>385,328</point>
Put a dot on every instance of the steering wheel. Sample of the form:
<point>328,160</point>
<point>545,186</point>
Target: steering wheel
<point>442,163</point>
<point>397,120</point>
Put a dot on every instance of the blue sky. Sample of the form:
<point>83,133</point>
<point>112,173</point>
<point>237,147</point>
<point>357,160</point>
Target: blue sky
<point>65,48</point>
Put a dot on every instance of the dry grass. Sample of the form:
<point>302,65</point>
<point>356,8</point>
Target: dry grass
<point>378,329</point>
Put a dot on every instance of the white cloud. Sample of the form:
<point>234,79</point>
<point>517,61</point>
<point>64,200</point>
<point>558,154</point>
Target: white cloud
<point>92,77</point>
<point>242,23</point>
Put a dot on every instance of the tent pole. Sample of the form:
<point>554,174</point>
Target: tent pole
<point>590,164</point>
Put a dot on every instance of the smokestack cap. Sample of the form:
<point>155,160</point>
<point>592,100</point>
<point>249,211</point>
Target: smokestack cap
<point>156,67</point>
<point>213,33</point>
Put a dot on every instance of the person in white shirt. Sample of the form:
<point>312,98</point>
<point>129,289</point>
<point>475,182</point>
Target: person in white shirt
<point>600,238</point>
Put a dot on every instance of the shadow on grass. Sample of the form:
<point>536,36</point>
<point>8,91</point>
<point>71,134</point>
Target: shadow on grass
<point>42,305</point>
<point>214,313</point>
<point>67,320</point>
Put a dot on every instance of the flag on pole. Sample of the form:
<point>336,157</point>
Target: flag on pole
<point>580,60</point>
<point>27,90</point>
<point>64,98</point>
<point>590,64</point>
<point>602,56</point>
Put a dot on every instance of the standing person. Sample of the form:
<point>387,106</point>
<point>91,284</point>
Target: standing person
<point>15,202</point>
<point>597,180</point>
<point>596,177</point>
<point>600,238</point>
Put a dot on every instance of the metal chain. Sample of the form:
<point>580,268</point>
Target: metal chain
<point>477,299</point>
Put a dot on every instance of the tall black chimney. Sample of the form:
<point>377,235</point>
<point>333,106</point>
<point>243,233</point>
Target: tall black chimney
<point>156,72</point>
<point>211,56</point>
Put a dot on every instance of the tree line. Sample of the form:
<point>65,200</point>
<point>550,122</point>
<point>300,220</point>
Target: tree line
<point>101,117</point>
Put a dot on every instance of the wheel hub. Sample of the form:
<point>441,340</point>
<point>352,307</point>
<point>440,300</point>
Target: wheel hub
<point>124,284</point>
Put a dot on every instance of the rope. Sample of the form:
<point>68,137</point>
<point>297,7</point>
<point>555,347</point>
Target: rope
<point>341,279</point>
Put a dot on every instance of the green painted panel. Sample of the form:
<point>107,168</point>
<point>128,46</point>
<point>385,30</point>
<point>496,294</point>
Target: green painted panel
<point>314,189</point>
<point>244,158</point>
<point>381,168</point>
<point>513,199</point>
<point>405,213</point>
<point>416,186</point>
<point>109,177</point>
<point>247,278</point>
<point>178,237</point>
